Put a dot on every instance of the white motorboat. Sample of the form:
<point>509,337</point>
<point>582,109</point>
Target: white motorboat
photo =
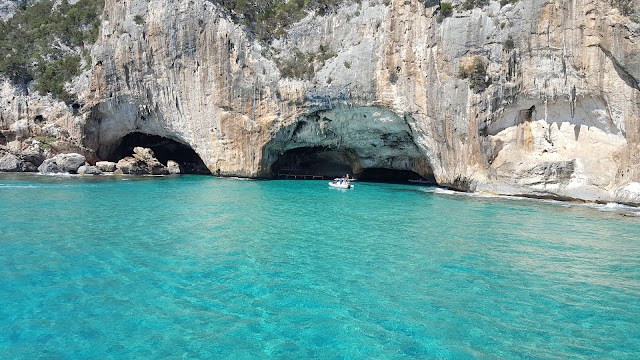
<point>341,183</point>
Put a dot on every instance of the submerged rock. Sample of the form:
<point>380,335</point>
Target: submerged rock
<point>62,163</point>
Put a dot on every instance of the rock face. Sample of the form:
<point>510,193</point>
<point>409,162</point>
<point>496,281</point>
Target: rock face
<point>538,98</point>
<point>62,163</point>
<point>7,8</point>
<point>12,163</point>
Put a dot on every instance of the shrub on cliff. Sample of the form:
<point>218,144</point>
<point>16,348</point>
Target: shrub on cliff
<point>42,42</point>
<point>505,2</point>
<point>508,44</point>
<point>52,75</point>
<point>268,19</point>
<point>472,4</point>
<point>626,7</point>
<point>475,70</point>
<point>303,65</point>
<point>446,10</point>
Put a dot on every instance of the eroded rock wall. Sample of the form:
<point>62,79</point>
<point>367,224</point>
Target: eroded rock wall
<point>557,115</point>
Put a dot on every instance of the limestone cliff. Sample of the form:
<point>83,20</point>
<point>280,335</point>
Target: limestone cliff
<point>538,98</point>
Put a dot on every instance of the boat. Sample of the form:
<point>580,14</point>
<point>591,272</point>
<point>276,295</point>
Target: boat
<point>341,183</point>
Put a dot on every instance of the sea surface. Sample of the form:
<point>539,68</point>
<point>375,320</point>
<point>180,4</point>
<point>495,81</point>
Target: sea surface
<point>196,267</point>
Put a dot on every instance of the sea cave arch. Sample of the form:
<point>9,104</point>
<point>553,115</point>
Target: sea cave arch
<point>369,142</point>
<point>165,149</point>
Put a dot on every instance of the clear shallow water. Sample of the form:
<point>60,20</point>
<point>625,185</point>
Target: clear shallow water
<point>198,267</point>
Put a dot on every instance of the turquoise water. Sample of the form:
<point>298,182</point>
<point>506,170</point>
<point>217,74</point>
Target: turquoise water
<point>199,267</point>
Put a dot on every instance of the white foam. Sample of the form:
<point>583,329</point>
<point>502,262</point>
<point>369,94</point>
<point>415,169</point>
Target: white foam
<point>59,175</point>
<point>7,186</point>
<point>613,207</point>
<point>446,191</point>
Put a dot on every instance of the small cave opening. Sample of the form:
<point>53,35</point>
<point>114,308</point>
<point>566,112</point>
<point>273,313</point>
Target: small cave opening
<point>392,176</point>
<point>312,163</point>
<point>164,149</point>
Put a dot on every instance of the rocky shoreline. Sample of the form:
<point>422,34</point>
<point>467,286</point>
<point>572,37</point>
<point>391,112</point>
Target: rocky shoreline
<point>141,162</point>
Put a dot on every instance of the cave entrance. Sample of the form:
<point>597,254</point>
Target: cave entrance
<point>315,163</point>
<point>312,163</point>
<point>392,176</point>
<point>164,149</point>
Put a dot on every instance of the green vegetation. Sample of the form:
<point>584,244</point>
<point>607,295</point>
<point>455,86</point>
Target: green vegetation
<point>52,75</point>
<point>626,7</point>
<point>476,71</point>
<point>472,4</point>
<point>303,65</point>
<point>446,10</point>
<point>505,2</point>
<point>508,44</point>
<point>43,43</point>
<point>46,141</point>
<point>138,20</point>
<point>268,19</point>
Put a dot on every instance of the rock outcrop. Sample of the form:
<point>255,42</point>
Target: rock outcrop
<point>143,162</point>
<point>536,98</point>
<point>12,163</point>
<point>62,163</point>
<point>7,8</point>
<point>106,166</point>
<point>88,170</point>
<point>173,167</point>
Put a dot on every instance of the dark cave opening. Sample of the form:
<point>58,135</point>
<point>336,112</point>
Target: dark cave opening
<point>164,149</point>
<point>312,163</point>
<point>391,176</point>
